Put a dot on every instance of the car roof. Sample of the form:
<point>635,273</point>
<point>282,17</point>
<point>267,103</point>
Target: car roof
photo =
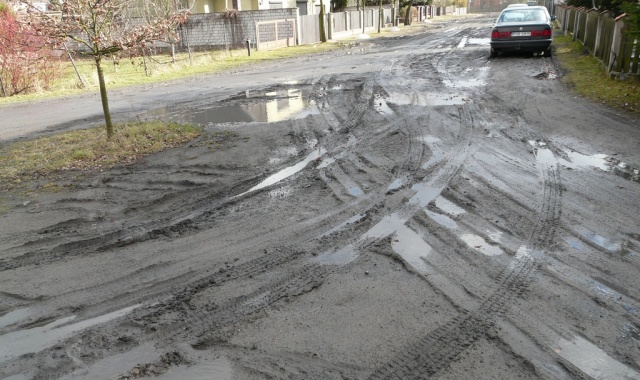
<point>516,5</point>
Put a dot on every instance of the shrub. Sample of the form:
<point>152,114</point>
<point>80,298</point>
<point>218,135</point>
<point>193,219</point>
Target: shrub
<point>25,64</point>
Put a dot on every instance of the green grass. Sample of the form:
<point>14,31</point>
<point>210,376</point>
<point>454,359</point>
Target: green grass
<point>587,77</point>
<point>88,149</point>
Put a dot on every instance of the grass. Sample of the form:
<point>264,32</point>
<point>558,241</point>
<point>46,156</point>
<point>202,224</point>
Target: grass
<point>587,77</point>
<point>88,149</point>
<point>159,68</point>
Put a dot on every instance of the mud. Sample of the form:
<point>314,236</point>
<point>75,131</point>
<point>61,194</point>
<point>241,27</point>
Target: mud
<point>402,208</point>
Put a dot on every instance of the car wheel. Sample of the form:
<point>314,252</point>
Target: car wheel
<point>493,53</point>
<point>547,52</point>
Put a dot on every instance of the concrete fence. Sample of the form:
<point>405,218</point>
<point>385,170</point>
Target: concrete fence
<point>273,28</point>
<point>606,38</point>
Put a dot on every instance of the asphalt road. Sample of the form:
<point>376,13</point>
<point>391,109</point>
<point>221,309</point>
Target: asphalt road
<point>405,208</point>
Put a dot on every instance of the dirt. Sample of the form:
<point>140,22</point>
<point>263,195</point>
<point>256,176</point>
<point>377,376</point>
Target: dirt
<point>403,208</point>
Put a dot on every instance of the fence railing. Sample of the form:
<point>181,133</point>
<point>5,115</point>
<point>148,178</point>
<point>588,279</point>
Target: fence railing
<point>607,38</point>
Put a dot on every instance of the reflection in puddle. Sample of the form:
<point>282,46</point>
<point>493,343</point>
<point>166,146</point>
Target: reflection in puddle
<point>381,105</point>
<point>593,361</point>
<point>340,257</point>
<point>288,172</point>
<point>218,369</point>
<point>265,107</point>
<point>449,207</point>
<point>479,244</point>
<point>603,242</point>
<point>14,316</point>
<point>412,248</point>
<point>386,226</point>
<point>443,220</point>
<point>22,342</point>
<point>396,184</point>
<point>577,160</point>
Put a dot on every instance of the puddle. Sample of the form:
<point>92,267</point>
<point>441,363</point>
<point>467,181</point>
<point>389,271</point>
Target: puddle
<point>14,316</point>
<point>36,339</point>
<point>326,162</point>
<point>543,154</point>
<point>424,194</point>
<point>112,366</point>
<point>443,220</point>
<point>340,257</point>
<point>463,42</point>
<point>265,107</point>
<point>578,160</point>
<point>449,207</point>
<point>396,184</point>
<point>381,105</point>
<point>480,245</point>
<point>386,226</point>
<point>593,361</point>
<point>427,99</point>
<point>428,139</point>
<point>340,226</point>
<point>479,41</point>
<point>218,369</point>
<point>412,248</point>
<point>287,172</point>
<point>607,244</point>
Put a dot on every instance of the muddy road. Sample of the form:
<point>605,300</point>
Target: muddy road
<point>406,208</point>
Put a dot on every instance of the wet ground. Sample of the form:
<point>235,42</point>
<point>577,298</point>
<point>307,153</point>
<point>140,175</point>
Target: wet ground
<point>404,208</point>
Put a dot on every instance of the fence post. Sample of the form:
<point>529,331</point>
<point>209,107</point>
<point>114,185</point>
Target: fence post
<point>616,45</point>
<point>330,26</point>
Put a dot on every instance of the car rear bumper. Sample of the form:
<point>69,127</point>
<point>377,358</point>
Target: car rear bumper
<point>524,45</point>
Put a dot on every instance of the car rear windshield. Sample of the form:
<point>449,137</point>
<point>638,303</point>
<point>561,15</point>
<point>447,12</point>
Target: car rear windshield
<point>522,15</point>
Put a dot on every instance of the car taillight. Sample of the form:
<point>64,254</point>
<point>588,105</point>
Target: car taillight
<point>497,34</point>
<point>541,33</point>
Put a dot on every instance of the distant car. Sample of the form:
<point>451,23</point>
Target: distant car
<point>532,3</point>
<point>526,29</point>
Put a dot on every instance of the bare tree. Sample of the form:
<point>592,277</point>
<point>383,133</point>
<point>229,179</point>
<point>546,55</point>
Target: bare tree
<point>102,28</point>
<point>164,10</point>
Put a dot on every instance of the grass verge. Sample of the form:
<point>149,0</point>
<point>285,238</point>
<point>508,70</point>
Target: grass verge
<point>587,77</point>
<point>88,149</point>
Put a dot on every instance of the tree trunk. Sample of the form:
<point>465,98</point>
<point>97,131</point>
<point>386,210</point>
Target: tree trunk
<point>103,97</point>
<point>407,14</point>
<point>323,36</point>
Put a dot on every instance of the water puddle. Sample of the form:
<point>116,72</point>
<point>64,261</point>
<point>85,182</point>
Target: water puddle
<point>424,194</point>
<point>448,207</point>
<point>412,248</point>
<point>429,140</point>
<point>386,226</point>
<point>381,105</point>
<point>14,316</point>
<point>36,339</point>
<point>601,241</point>
<point>442,220</point>
<point>479,244</point>
<point>427,99</point>
<point>340,257</point>
<point>112,366</point>
<point>578,160</point>
<point>287,172</point>
<point>479,41</point>
<point>396,184</point>
<point>218,369</point>
<point>258,106</point>
<point>463,42</point>
<point>326,162</point>
<point>593,361</point>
